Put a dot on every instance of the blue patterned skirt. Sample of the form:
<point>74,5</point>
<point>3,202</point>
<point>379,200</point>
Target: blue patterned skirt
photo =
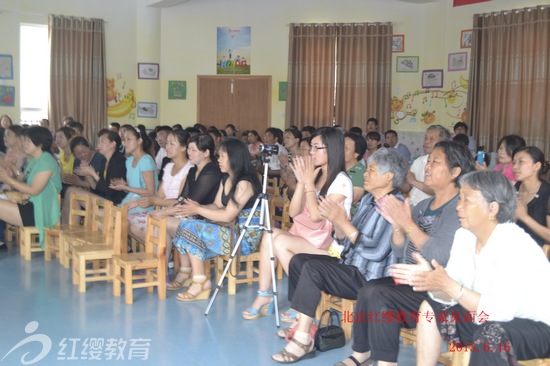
<point>206,239</point>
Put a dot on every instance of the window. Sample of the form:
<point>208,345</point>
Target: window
<point>35,73</point>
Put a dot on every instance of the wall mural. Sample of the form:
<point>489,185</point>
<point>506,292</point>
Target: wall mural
<point>423,106</point>
<point>121,102</point>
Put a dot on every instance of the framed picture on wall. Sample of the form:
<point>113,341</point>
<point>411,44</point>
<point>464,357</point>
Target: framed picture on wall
<point>458,61</point>
<point>432,79</point>
<point>148,71</point>
<point>147,110</point>
<point>466,38</point>
<point>407,64</point>
<point>6,67</point>
<point>398,43</point>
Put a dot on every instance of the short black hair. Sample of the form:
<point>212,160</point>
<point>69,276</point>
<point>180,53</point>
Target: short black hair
<point>360,144</point>
<point>512,142</point>
<point>391,131</point>
<point>78,140</point>
<point>75,124</point>
<point>40,136</point>
<point>372,119</point>
<point>460,125</point>
<point>356,130</point>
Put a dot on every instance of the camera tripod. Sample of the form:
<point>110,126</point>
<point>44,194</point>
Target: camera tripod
<point>264,225</point>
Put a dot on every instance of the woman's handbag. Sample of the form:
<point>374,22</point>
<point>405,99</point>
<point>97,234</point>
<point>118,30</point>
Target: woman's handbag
<point>318,234</point>
<point>330,336</point>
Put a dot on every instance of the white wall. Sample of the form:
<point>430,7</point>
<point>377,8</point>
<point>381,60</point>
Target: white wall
<point>182,39</point>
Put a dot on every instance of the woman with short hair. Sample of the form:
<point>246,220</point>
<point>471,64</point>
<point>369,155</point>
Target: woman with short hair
<point>497,277</point>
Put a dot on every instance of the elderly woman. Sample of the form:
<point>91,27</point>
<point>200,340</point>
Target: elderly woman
<point>427,230</point>
<point>367,252</point>
<point>496,278</point>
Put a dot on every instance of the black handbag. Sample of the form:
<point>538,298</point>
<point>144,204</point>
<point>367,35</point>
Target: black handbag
<point>330,336</point>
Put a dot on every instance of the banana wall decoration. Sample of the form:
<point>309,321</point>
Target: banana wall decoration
<point>124,107</point>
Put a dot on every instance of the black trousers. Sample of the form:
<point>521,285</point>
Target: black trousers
<point>310,274</point>
<point>382,309</point>
<point>495,343</point>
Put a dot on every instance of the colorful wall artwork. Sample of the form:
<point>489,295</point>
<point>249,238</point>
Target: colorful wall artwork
<point>7,96</point>
<point>233,53</point>
<point>177,89</point>
<point>120,101</point>
<point>423,106</point>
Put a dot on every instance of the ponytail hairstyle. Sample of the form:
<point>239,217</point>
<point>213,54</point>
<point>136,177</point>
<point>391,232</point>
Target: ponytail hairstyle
<point>140,133</point>
<point>112,136</point>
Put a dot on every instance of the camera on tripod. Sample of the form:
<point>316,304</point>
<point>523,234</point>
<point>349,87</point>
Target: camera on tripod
<point>269,149</point>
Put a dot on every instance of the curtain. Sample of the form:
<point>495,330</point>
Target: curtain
<point>510,77</point>
<point>363,82</point>
<point>310,89</point>
<point>78,86</point>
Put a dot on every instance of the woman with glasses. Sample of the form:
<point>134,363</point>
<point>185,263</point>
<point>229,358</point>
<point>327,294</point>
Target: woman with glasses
<point>321,174</point>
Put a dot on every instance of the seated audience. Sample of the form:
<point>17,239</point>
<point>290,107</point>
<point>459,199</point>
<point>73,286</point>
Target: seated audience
<point>533,209</point>
<point>366,254</point>
<point>175,174</point>
<point>415,186</point>
<point>354,149</point>
<point>161,135</point>
<point>316,176</point>
<point>84,156</point>
<point>307,131</point>
<point>141,170</point>
<point>373,144</point>
<point>277,162</point>
<point>506,146</point>
<point>496,279</point>
<point>393,141</point>
<point>231,131</point>
<point>39,203</point>
<point>461,128</point>
<point>207,237</point>
<point>201,184</point>
<point>428,229</point>
<point>254,142</point>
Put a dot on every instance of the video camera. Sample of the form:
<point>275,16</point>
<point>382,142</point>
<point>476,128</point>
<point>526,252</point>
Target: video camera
<point>269,149</point>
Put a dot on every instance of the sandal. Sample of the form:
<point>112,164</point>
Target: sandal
<point>267,309</point>
<point>202,295</point>
<point>182,279</point>
<point>288,357</point>
<point>288,316</point>
<point>367,362</point>
<point>288,333</point>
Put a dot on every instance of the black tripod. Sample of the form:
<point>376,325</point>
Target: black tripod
<point>265,224</point>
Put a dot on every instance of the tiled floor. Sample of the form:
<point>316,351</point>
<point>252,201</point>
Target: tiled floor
<point>40,305</point>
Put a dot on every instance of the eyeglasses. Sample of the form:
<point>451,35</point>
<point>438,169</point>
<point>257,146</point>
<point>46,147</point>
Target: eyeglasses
<point>316,148</point>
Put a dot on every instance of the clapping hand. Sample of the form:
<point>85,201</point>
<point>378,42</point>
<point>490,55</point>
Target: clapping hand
<point>332,211</point>
<point>304,170</point>
<point>118,184</point>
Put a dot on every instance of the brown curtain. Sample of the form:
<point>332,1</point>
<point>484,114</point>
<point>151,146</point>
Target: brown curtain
<point>363,82</point>
<point>510,77</point>
<point>310,91</point>
<point>77,86</point>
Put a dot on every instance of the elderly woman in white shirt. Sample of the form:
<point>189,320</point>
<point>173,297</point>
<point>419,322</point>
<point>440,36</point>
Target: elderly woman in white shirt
<point>493,296</point>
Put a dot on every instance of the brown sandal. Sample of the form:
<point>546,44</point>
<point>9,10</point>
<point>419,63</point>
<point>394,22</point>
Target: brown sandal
<point>176,283</point>
<point>288,357</point>
<point>202,295</point>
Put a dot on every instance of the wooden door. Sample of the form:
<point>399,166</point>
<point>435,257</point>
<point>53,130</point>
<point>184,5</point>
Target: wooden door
<point>244,101</point>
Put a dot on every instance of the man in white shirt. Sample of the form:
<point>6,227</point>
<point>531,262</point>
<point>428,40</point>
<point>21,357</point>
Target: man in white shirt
<point>162,134</point>
<point>273,136</point>
<point>418,191</point>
